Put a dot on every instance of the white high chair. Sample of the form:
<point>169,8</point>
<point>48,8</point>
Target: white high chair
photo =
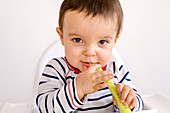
<point>55,49</point>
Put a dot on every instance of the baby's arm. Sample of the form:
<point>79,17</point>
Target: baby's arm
<point>54,94</point>
<point>126,89</point>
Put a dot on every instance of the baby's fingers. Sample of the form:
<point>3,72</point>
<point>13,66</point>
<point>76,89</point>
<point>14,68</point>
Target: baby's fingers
<point>124,94</point>
<point>133,103</point>
<point>103,76</point>
<point>129,98</point>
<point>100,86</point>
<point>119,88</point>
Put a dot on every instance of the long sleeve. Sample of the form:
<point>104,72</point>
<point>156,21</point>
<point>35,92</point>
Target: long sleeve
<point>55,95</point>
<point>123,76</point>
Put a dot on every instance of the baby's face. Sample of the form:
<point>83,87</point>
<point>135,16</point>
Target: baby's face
<point>87,39</point>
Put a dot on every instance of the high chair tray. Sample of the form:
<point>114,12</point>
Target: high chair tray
<point>156,103</point>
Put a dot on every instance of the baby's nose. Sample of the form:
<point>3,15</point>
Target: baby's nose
<point>90,51</point>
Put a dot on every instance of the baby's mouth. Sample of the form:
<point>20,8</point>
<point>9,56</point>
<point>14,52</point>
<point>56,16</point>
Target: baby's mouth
<point>88,64</point>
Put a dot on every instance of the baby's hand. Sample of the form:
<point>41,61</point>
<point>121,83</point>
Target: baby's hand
<point>90,80</point>
<point>128,95</point>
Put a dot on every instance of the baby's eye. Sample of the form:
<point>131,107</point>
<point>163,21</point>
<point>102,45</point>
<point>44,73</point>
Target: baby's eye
<point>103,42</point>
<point>77,40</point>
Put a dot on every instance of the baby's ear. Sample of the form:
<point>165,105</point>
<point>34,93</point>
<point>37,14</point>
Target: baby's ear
<point>117,37</point>
<point>60,34</point>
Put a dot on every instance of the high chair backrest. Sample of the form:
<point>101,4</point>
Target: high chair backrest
<point>54,50</point>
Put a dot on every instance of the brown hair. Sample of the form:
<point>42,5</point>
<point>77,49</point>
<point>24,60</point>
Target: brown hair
<point>106,8</point>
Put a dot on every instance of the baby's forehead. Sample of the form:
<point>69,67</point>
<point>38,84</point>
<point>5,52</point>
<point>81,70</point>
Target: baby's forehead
<point>70,14</point>
<point>79,22</point>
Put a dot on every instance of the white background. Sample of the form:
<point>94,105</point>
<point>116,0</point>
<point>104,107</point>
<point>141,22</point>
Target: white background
<point>27,27</point>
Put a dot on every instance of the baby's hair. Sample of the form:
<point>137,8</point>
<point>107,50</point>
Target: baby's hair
<point>105,8</point>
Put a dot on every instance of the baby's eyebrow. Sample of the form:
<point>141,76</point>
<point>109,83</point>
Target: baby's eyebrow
<point>107,37</point>
<point>74,34</point>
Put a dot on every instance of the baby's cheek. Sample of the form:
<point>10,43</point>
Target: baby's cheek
<point>105,59</point>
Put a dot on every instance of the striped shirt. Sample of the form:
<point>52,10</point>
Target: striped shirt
<point>57,90</point>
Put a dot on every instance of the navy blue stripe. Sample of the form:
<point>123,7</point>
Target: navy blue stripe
<point>75,73</point>
<point>124,77</point>
<point>115,76</point>
<point>46,104</point>
<point>66,62</point>
<point>37,102</point>
<point>38,98</point>
<point>68,101</point>
<point>57,72</point>
<point>53,104</point>
<point>95,108</point>
<point>60,103</point>
<point>50,76</point>
<point>139,102</point>
<point>42,82</point>
<point>138,95</point>
<point>55,88</point>
<point>60,65</point>
<point>120,67</point>
<point>134,89</point>
<point>116,107</point>
<point>70,77</point>
<point>94,99</point>
<point>128,79</point>
<point>114,67</point>
<point>39,109</point>
<point>140,99</point>
<point>74,91</point>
